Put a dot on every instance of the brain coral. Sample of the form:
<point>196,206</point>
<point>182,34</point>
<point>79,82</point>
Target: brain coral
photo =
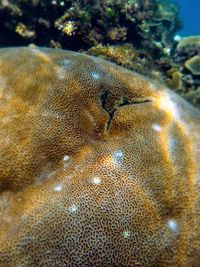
<point>98,165</point>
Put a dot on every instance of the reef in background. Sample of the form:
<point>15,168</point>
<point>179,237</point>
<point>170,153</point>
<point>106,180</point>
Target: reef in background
<point>137,34</point>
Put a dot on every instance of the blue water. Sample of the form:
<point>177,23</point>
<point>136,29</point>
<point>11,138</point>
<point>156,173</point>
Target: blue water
<point>190,15</point>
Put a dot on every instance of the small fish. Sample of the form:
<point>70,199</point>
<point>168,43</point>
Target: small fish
<point>99,166</point>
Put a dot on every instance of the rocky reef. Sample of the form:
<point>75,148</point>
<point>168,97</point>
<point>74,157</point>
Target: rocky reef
<point>99,166</point>
<point>82,24</point>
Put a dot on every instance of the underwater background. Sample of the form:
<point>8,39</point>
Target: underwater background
<point>189,14</point>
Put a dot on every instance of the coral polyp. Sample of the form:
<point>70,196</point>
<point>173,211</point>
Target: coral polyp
<point>98,165</point>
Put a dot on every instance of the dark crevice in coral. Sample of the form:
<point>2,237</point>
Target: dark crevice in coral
<point>103,98</point>
<point>112,103</point>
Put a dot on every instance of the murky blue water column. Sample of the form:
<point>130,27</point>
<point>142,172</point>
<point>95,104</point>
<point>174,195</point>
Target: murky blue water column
<point>190,15</point>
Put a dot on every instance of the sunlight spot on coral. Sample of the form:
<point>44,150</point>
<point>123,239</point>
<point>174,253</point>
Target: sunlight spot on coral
<point>118,157</point>
<point>73,208</point>
<point>167,104</point>
<point>126,234</point>
<point>153,86</point>
<point>96,180</point>
<point>172,225</point>
<point>58,188</point>
<point>172,147</point>
<point>46,175</point>
<point>40,54</point>
<point>156,127</point>
<point>95,75</point>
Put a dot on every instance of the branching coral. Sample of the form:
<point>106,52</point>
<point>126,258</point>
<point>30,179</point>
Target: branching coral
<point>98,165</point>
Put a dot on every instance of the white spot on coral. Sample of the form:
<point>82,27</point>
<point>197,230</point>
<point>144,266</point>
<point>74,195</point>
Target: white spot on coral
<point>126,234</point>
<point>61,73</point>
<point>172,142</point>
<point>156,127</point>
<point>65,158</point>
<point>58,188</point>
<point>73,208</point>
<point>95,75</point>
<point>62,70</point>
<point>65,161</point>
<point>172,225</point>
<point>118,157</point>
<point>96,180</point>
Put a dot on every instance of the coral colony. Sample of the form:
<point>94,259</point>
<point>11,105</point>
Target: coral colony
<point>99,166</point>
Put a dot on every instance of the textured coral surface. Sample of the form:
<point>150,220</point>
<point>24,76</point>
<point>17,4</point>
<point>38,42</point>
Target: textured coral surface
<point>98,165</point>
